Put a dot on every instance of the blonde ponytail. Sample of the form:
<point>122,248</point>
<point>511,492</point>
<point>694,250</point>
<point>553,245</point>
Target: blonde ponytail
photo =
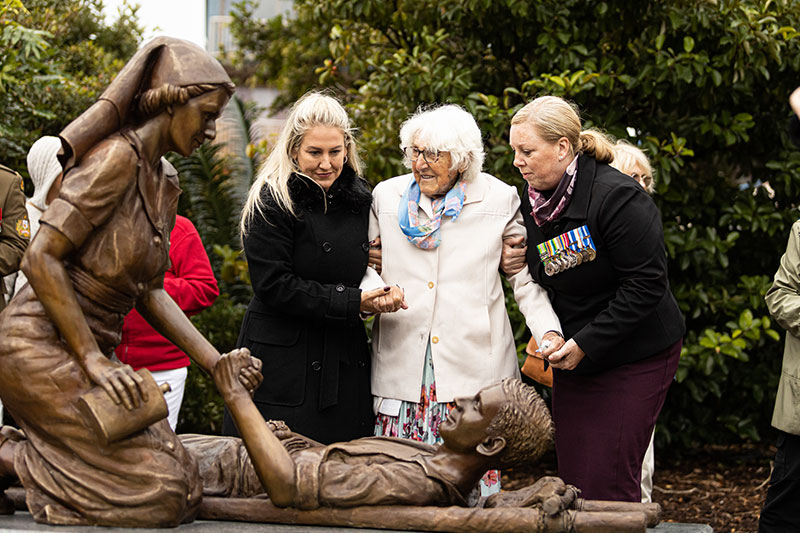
<point>597,145</point>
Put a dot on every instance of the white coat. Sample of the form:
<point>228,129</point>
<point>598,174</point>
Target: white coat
<point>454,294</point>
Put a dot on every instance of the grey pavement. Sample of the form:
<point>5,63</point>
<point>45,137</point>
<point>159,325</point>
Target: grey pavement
<point>22,521</point>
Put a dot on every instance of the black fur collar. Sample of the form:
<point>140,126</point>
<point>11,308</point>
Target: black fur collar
<point>348,190</point>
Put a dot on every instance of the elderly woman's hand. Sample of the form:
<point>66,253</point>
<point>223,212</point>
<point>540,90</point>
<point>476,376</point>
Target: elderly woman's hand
<point>383,300</point>
<point>551,342</point>
<point>513,257</point>
<point>568,356</point>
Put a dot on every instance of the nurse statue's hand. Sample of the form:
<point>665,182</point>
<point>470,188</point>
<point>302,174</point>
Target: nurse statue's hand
<point>119,381</point>
<point>568,357</point>
<point>250,376</point>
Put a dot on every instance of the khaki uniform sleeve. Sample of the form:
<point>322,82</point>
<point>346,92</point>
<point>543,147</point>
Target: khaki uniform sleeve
<point>16,230</point>
<point>783,298</point>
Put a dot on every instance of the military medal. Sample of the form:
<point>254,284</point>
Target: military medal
<point>568,250</point>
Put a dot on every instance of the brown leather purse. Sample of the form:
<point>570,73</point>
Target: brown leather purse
<point>533,367</point>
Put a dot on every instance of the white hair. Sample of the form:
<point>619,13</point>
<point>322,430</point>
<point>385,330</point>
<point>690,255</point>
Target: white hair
<point>628,156</point>
<point>447,128</point>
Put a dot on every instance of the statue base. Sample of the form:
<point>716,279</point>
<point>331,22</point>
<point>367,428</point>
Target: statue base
<point>223,514</point>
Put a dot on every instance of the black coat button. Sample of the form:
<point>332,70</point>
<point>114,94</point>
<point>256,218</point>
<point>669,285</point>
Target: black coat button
<point>340,288</point>
<point>362,364</point>
<point>365,247</point>
<point>315,366</point>
<point>326,247</point>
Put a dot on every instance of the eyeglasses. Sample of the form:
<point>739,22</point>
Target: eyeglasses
<point>413,153</point>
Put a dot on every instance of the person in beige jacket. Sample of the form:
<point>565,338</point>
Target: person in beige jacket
<point>781,511</point>
<point>441,230</point>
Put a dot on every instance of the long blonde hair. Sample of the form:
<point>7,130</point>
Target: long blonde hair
<point>553,117</point>
<point>313,109</point>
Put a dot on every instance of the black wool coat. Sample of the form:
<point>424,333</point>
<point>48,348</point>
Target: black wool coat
<point>618,308</point>
<point>303,321</point>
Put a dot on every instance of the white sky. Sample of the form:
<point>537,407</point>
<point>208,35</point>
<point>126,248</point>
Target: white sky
<point>185,19</point>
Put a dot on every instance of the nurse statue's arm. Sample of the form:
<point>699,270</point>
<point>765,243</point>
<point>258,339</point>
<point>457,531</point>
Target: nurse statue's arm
<point>43,265</point>
<point>161,312</point>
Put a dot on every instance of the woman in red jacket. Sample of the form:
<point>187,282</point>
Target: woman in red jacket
<point>191,283</point>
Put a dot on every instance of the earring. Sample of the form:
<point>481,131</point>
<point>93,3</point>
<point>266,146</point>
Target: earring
<point>345,159</point>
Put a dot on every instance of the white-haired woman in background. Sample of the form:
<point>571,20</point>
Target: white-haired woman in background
<point>45,172</point>
<point>304,230</point>
<point>632,161</point>
<point>441,229</point>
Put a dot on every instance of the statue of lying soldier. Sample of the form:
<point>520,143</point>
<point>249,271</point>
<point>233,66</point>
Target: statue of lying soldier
<point>408,484</point>
<point>502,425</point>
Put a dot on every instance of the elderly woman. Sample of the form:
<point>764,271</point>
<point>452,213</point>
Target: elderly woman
<point>102,249</point>
<point>596,245</point>
<point>441,229</point>
<point>45,172</point>
<point>304,229</point>
<point>630,160</point>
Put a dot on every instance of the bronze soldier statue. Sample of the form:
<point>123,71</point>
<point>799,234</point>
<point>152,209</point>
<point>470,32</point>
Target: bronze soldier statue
<point>14,228</point>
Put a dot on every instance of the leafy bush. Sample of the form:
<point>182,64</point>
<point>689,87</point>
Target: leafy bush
<point>701,86</point>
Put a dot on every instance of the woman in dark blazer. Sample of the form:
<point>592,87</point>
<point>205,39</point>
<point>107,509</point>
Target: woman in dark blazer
<point>595,243</point>
<point>304,230</point>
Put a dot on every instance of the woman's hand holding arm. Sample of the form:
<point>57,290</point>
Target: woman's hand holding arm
<point>44,267</point>
<point>375,256</point>
<point>512,259</point>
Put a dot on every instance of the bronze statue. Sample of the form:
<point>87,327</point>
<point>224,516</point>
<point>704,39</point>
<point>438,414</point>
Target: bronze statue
<point>101,250</point>
<point>503,425</point>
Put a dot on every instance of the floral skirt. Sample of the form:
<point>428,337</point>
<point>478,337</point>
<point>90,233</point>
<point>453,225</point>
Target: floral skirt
<point>420,421</point>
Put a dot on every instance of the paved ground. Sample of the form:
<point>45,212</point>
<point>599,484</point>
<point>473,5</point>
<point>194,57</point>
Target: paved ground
<point>22,521</point>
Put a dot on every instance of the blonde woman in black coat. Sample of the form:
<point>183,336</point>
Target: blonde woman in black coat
<point>304,230</point>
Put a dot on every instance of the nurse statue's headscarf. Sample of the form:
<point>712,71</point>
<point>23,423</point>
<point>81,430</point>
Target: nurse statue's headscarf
<point>161,70</point>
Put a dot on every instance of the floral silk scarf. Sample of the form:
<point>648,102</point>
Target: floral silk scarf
<point>545,209</point>
<point>426,235</point>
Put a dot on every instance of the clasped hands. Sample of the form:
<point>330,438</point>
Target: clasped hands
<point>125,386</point>
<point>383,300</point>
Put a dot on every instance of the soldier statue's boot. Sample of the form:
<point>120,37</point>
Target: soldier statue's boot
<point>8,435</point>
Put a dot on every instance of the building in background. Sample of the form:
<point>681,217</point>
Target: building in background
<point>218,20</point>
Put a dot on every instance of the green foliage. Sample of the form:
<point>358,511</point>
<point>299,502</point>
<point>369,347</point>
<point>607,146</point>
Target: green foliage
<point>56,57</point>
<point>701,86</point>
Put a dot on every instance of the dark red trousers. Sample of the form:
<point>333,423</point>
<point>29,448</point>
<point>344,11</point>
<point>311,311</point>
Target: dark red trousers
<point>604,421</point>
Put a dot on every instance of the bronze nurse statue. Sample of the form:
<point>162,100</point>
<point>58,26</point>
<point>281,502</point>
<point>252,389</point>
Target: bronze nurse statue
<point>101,250</point>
